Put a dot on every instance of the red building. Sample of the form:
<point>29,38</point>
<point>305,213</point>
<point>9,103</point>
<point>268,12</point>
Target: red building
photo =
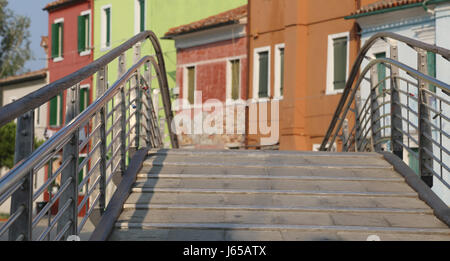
<point>212,62</point>
<point>70,48</point>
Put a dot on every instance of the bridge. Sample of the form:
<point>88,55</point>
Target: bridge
<point>135,189</point>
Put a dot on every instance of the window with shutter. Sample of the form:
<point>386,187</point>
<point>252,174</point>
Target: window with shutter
<point>191,84</point>
<point>340,62</point>
<point>108,26</point>
<point>57,40</point>
<point>84,98</point>
<point>235,79</point>
<point>281,71</point>
<point>263,74</point>
<point>142,15</point>
<point>56,111</point>
<point>83,32</point>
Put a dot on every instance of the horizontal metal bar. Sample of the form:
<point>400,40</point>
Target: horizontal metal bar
<point>415,154</point>
<point>439,130</point>
<point>63,231</point>
<point>436,175</point>
<point>407,135</point>
<point>408,109</point>
<point>51,202</point>
<point>12,219</point>
<point>131,116</point>
<point>39,97</point>
<point>9,193</point>
<point>406,120</point>
<point>436,112</point>
<point>89,155</point>
<point>88,138</point>
<point>19,171</point>
<point>414,84</point>
<point>129,131</point>
<point>113,126</point>
<point>408,95</point>
<point>89,174</point>
<point>53,177</point>
<point>437,144</point>
<point>89,212</point>
<point>381,117</point>
<point>440,98</point>
<point>113,156</point>
<point>382,140</point>
<point>112,143</point>
<point>441,164</point>
<point>55,220</point>
<point>49,156</point>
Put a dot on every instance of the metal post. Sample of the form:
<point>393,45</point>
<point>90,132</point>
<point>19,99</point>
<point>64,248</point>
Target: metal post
<point>424,128</point>
<point>396,109</point>
<point>23,196</point>
<point>138,110</point>
<point>70,173</point>
<point>150,132</point>
<point>357,119</point>
<point>123,122</point>
<point>374,112</point>
<point>102,85</point>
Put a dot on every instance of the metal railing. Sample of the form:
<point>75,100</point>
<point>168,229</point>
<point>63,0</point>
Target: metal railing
<point>121,120</point>
<point>403,110</point>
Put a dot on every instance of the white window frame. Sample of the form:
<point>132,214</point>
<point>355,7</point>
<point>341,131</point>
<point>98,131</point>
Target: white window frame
<point>61,42</point>
<point>330,62</point>
<point>103,46</point>
<point>256,52</point>
<point>228,97</point>
<point>89,47</point>
<point>137,16</point>
<point>185,86</point>
<point>277,85</point>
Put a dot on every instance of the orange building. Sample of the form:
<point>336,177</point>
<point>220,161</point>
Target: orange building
<point>300,54</point>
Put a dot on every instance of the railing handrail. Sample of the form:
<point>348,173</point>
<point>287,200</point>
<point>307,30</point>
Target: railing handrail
<point>37,98</point>
<point>22,168</point>
<point>445,53</point>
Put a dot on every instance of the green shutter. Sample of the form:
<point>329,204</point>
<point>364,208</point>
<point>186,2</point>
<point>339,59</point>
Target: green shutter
<point>84,99</point>
<point>191,84</point>
<point>381,68</point>
<point>61,109</point>
<point>235,81</point>
<point>431,60</point>
<point>142,14</point>
<point>108,26</point>
<point>55,40</point>
<point>54,111</point>
<point>263,74</point>
<point>413,161</point>
<point>81,173</point>
<point>281,71</point>
<point>61,44</point>
<point>81,33</point>
<point>340,62</point>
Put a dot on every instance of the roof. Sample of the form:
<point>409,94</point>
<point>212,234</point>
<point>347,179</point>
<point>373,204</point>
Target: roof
<point>60,3</point>
<point>390,5</point>
<point>29,76</point>
<point>229,17</point>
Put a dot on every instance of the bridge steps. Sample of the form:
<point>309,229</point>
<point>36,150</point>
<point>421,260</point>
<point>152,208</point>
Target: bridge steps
<point>260,195</point>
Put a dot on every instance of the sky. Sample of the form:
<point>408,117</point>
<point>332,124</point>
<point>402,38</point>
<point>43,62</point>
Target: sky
<point>38,28</point>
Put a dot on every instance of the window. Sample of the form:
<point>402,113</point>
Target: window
<point>57,40</point>
<point>106,27</point>
<point>189,84</point>
<point>279,71</point>
<point>431,64</point>
<point>234,80</point>
<point>84,41</point>
<point>84,97</point>
<point>139,16</point>
<point>56,111</point>
<point>337,62</point>
<point>261,73</point>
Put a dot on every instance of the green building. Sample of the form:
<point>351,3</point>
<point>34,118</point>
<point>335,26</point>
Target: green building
<point>116,21</point>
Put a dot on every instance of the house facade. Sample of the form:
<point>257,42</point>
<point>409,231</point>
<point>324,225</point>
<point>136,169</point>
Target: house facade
<point>426,21</point>
<point>70,27</point>
<point>300,53</point>
<point>118,20</point>
<point>212,79</point>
